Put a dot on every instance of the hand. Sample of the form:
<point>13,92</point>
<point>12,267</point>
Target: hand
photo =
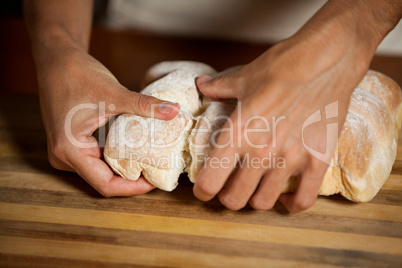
<point>319,66</point>
<point>69,78</point>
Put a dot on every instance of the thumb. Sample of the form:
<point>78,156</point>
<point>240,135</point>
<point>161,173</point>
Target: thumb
<point>217,88</point>
<point>147,106</point>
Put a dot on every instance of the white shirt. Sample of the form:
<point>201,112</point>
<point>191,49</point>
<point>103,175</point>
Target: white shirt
<point>252,20</point>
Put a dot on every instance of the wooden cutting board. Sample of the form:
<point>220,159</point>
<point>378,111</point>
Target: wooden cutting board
<point>53,218</point>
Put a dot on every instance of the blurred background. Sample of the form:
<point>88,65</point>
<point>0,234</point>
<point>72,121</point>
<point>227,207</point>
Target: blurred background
<point>131,35</point>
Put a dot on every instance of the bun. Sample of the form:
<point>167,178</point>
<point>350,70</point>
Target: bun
<point>367,145</point>
<point>163,68</point>
<point>362,160</point>
<point>155,148</point>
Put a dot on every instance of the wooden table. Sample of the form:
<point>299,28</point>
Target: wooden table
<point>52,218</point>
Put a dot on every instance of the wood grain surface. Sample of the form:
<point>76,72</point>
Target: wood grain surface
<point>50,218</point>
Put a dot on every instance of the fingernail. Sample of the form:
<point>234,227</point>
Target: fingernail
<point>204,79</point>
<point>167,107</point>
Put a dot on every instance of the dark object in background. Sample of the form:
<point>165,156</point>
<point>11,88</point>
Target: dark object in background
<point>128,53</point>
<point>10,8</point>
<point>14,8</point>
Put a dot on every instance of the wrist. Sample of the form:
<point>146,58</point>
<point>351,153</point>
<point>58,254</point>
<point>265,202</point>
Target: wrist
<point>54,47</point>
<point>344,35</point>
<point>382,16</point>
<point>58,25</point>
<point>374,20</point>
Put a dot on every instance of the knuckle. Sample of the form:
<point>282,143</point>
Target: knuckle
<point>303,203</point>
<point>261,204</point>
<point>54,162</point>
<point>293,149</point>
<point>292,163</point>
<point>104,191</point>
<point>231,202</point>
<point>143,103</point>
<point>216,82</point>
<point>206,186</point>
<point>57,150</point>
<point>259,142</point>
<point>259,122</point>
<point>56,155</point>
<point>262,152</point>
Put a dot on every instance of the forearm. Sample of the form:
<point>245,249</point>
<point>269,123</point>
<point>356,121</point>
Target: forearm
<point>367,21</point>
<point>344,30</point>
<point>56,24</point>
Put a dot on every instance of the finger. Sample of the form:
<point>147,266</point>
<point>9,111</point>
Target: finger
<point>98,174</point>
<point>219,165</point>
<point>217,88</point>
<point>241,187</point>
<point>143,105</point>
<point>270,188</point>
<point>306,193</point>
<point>215,173</point>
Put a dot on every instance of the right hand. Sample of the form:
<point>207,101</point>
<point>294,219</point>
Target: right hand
<point>69,77</point>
